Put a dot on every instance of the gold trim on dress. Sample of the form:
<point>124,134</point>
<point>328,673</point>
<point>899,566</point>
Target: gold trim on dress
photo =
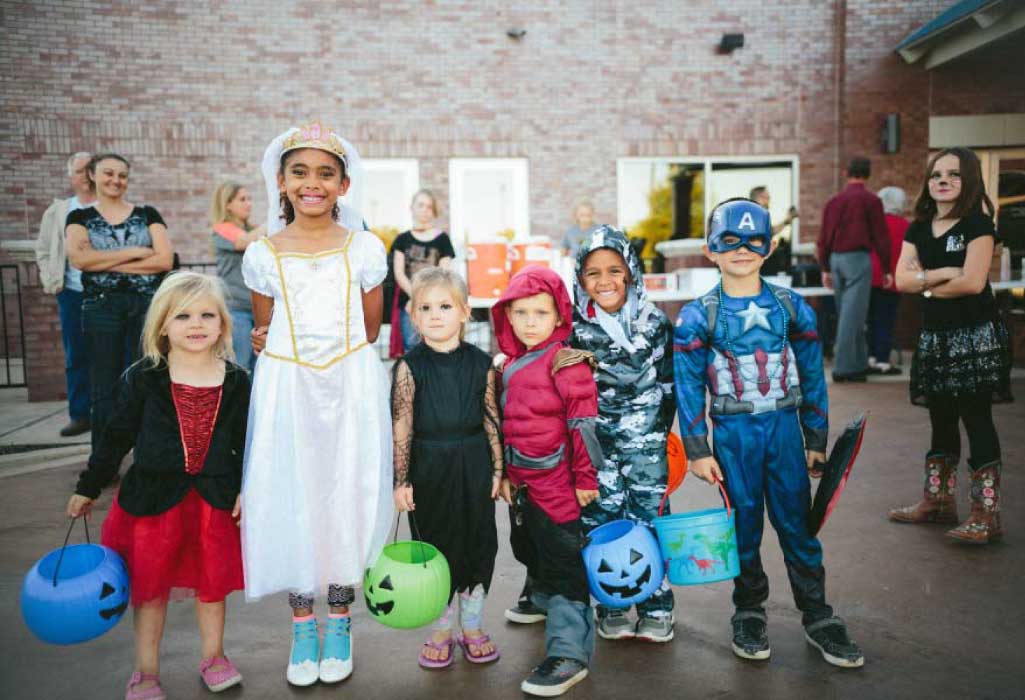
<point>312,365</point>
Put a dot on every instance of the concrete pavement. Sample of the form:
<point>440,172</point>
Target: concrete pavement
<point>935,619</point>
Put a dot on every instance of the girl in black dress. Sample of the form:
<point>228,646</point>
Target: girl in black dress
<point>448,457</point>
<point>963,362</point>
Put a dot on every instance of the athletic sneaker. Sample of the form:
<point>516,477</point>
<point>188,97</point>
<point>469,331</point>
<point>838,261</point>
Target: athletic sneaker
<point>749,638</point>
<point>525,612</point>
<point>303,662</point>
<point>830,637</point>
<point>655,629</point>
<point>614,624</point>
<point>553,677</point>
<point>336,656</point>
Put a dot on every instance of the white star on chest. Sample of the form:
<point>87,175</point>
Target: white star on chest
<point>755,315</point>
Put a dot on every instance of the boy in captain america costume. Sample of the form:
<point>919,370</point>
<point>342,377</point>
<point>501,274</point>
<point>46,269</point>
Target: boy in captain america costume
<point>755,348</point>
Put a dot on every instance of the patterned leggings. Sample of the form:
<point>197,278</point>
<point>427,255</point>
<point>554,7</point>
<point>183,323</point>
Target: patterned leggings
<point>336,596</point>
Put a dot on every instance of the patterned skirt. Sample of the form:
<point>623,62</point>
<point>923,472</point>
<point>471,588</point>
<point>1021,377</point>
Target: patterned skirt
<point>960,361</point>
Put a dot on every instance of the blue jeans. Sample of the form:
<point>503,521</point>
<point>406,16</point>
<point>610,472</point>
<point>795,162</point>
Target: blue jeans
<point>241,327</point>
<point>409,335</point>
<point>113,330</point>
<point>882,315</point>
<point>76,360</point>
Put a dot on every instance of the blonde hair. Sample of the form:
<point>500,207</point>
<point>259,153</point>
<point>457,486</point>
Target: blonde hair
<point>225,192</point>
<point>430,195</point>
<point>450,281</point>
<point>178,291</point>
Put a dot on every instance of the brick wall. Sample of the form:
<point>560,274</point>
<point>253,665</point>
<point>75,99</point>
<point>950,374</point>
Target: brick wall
<point>191,93</point>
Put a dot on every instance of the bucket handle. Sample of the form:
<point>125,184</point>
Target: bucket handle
<point>414,531</point>
<point>722,490</point>
<point>85,523</point>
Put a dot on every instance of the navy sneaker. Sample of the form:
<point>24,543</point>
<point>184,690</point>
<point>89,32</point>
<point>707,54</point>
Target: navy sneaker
<point>525,612</point>
<point>749,638</point>
<point>830,637</point>
<point>553,677</point>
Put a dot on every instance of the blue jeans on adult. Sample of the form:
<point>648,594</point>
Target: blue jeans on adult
<point>76,359</point>
<point>241,327</point>
<point>852,288</point>
<point>113,329</point>
<point>882,315</point>
<point>409,335</point>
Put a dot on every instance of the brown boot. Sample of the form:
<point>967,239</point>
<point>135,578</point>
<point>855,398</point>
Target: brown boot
<point>938,504</point>
<point>983,525</point>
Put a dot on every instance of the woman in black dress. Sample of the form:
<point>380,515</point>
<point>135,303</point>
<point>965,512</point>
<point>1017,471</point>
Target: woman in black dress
<point>962,364</point>
<point>448,457</point>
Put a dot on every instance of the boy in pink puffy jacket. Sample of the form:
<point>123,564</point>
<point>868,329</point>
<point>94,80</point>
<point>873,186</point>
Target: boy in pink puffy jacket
<point>549,406</point>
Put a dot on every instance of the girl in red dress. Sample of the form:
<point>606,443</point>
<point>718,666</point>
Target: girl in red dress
<point>183,409</point>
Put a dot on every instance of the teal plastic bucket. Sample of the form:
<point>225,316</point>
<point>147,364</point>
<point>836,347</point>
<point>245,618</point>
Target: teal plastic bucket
<point>700,546</point>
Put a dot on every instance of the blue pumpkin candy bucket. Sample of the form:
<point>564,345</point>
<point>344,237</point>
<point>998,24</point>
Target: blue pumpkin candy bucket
<point>701,546</point>
<point>623,563</point>
<point>74,594</point>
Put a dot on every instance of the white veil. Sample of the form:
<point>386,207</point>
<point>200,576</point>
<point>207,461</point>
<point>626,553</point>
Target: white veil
<point>349,206</point>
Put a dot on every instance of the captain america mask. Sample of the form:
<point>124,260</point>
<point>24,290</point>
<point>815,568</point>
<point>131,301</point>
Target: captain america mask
<point>737,223</point>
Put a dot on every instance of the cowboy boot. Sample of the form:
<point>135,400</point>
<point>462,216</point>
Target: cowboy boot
<point>938,504</point>
<point>983,525</point>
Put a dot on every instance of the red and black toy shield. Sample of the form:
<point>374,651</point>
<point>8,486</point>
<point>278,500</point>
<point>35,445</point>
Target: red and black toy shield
<point>836,472</point>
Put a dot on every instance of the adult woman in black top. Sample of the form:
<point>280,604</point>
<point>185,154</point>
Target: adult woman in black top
<point>963,361</point>
<point>123,251</point>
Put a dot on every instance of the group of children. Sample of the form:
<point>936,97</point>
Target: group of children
<point>568,426</point>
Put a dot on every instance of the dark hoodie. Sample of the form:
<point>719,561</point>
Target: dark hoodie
<point>549,405</point>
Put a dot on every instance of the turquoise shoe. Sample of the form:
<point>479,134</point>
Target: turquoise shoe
<point>336,661</point>
<point>303,662</point>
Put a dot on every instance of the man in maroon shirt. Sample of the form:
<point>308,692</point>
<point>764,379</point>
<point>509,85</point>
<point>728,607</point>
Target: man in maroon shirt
<point>852,224</point>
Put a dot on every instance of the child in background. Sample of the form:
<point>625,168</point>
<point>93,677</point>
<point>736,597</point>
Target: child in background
<point>550,406</point>
<point>755,348</point>
<point>182,408</point>
<point>631,340</point>
<point>448,457</point>
<point>425,245</point>
<point>319,458</point>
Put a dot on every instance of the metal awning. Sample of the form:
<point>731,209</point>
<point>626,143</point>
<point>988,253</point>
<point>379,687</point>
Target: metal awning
<point>964,27</point>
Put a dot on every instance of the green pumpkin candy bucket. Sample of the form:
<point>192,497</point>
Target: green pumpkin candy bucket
<point>409,585</point>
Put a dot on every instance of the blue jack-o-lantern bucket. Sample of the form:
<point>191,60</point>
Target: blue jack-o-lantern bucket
<point>75,593</point>
<point>699,546</point>
<point>623,563</point>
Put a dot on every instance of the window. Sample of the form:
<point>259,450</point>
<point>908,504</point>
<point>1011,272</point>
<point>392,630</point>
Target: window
<point>388,188</point>
<point>669,198</point>
<point>488,197</point>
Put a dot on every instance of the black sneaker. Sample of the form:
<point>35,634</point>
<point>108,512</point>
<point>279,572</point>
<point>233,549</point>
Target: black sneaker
<point>553,677</point>
<point>749,638</point>
<point>525,612</point>
<point>76,427</point>
<point>829,636</point>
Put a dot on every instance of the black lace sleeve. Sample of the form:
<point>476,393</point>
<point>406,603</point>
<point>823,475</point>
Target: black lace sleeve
<point>403,389</point>
<point>493,422</point>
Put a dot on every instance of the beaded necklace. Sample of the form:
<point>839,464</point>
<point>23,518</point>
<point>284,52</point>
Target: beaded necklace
<point>726,327</point>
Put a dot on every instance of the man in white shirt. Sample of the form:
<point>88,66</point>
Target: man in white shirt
<point>58,277</point>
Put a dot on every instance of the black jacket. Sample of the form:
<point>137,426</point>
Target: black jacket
<point>145,418</point>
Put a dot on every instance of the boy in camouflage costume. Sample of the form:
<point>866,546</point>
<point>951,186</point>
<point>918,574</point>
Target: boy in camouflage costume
<point>632,342</point>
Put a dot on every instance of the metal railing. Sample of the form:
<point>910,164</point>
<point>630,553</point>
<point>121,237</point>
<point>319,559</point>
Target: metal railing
<point>12,345</point>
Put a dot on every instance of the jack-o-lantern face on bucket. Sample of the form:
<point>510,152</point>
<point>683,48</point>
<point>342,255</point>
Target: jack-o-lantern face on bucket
<point>374,600</point>
<point>623,562</point>
<point>626,579</point>
<point>118,604</point>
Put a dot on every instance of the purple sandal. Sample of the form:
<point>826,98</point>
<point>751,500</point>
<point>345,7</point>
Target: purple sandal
<point>429,663</point>
<point>465,643</point>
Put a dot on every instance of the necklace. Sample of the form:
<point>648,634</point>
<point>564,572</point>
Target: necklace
<point>726,326</point>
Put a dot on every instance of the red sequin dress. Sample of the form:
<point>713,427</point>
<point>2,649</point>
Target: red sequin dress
<point>192,548</point>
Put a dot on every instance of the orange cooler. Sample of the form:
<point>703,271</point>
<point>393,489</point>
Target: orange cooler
<point>486,269</point>
<point>536,251</point>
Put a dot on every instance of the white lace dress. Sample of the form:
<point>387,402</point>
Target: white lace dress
<point>316,489</point>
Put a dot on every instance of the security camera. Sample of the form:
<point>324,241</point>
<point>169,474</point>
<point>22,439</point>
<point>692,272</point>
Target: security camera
<point>516,33</point>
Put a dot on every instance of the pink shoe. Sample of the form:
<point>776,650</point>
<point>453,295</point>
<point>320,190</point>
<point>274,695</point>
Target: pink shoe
<point>150,692</point>
<point>221,679</point>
